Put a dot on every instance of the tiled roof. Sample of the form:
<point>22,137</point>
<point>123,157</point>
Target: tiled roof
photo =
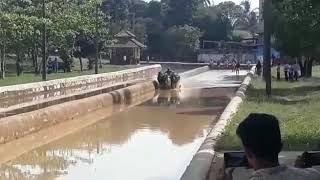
<point>125,33</point>
<point>132,43</point>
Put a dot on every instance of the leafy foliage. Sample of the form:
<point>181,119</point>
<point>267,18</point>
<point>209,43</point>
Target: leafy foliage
<point>183,41</point>
<point>297,31</point>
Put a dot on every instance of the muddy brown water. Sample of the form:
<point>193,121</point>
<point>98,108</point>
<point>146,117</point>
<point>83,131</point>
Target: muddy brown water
<point>155,140</point>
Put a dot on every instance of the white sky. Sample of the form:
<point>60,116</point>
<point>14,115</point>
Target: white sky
<point>254,3</point>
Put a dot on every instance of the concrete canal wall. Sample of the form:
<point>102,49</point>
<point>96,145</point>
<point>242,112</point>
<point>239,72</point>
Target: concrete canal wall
<point>200,165</point>
<point>80,82</point>
<point>20,125</point>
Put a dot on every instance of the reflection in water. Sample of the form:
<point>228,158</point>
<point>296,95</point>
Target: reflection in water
<point>145,142</point>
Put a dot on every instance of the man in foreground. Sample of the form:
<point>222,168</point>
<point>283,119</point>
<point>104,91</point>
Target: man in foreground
<point>261,139</point>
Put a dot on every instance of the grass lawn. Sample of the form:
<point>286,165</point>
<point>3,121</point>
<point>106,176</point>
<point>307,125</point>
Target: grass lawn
<point>12,79</point>
<point>296,104</point>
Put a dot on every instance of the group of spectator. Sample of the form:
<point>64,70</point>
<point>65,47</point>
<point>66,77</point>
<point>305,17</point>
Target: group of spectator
<point>53,65</point>
<point>291,72</point>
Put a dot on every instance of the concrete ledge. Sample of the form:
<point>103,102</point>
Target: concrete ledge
<point>194,72</point>
<point>80,81</point>
<point>18,126</point>
<point>200,165</point>
<point>43,103</point>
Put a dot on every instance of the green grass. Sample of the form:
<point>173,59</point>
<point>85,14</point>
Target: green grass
<point>12,79</point>
<point>297,105</point>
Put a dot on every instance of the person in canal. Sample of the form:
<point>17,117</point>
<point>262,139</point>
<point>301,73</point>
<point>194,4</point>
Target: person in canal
<point>238,68</point>
<point>259,68</point>
<point>169,72</point>
<point>261,139</point>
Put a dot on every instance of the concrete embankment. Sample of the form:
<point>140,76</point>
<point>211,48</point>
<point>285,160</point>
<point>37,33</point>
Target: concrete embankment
<point>79,83</point>
<point>43,103</point>
<point>17,126</point>
<point>199,167</point>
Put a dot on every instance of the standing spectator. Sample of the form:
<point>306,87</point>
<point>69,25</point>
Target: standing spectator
<point>258,68</point>
<point>234,63</point>
<point>296,70</point>
<point>125,59</point>
<point>291,72</point>
<point>278,72</point>
<point>56,65</point>
<point>148,59</point>
<point>249,65</point>
<point>286,71</point>
<point>238,68</point>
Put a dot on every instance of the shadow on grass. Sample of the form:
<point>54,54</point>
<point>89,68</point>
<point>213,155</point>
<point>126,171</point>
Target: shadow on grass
<point>284,96</point>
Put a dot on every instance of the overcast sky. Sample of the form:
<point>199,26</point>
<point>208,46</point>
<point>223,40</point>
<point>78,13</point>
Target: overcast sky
<point>254,3</point>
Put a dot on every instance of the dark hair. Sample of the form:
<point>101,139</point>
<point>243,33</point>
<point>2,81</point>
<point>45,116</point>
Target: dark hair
<point>260,133</point>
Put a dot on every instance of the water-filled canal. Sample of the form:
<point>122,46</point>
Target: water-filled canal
<point>152,141</point>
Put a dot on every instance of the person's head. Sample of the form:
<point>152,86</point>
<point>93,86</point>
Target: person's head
<point>261,138</point>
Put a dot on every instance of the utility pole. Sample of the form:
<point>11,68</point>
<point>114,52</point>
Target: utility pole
<point>96,43</point>
<point>44,43</point>
<point>267,45</point>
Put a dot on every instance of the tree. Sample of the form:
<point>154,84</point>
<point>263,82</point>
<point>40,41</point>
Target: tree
<point>231,11</point>
<point>21,22</point>
<point>297,31</point>
<point>154,11</point>
<point>180,12</point>
<point>212,23</point>
<point>183,41</point>
<point>156,38</point>
<point>138,8</point>
<point>117,11</point>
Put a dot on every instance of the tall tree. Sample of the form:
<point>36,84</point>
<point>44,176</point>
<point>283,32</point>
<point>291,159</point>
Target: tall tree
<point>231,11</point>
<point>212,23</point>
<point>117,11</point>
<point>181,12</point>
<point>297,31</point>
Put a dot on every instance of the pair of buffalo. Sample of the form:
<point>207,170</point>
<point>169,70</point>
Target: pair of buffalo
<point>168,80</point>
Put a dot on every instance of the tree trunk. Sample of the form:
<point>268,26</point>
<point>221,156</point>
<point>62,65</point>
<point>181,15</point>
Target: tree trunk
<point>309,67</point>
<point>2,63</point>
<point>267,45</point>
<point>302,66</point>
<point>35,59</point>
<point>18,70</point>
<point>100,61</point>
<point>81,65</point>
<point>90,63</point>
